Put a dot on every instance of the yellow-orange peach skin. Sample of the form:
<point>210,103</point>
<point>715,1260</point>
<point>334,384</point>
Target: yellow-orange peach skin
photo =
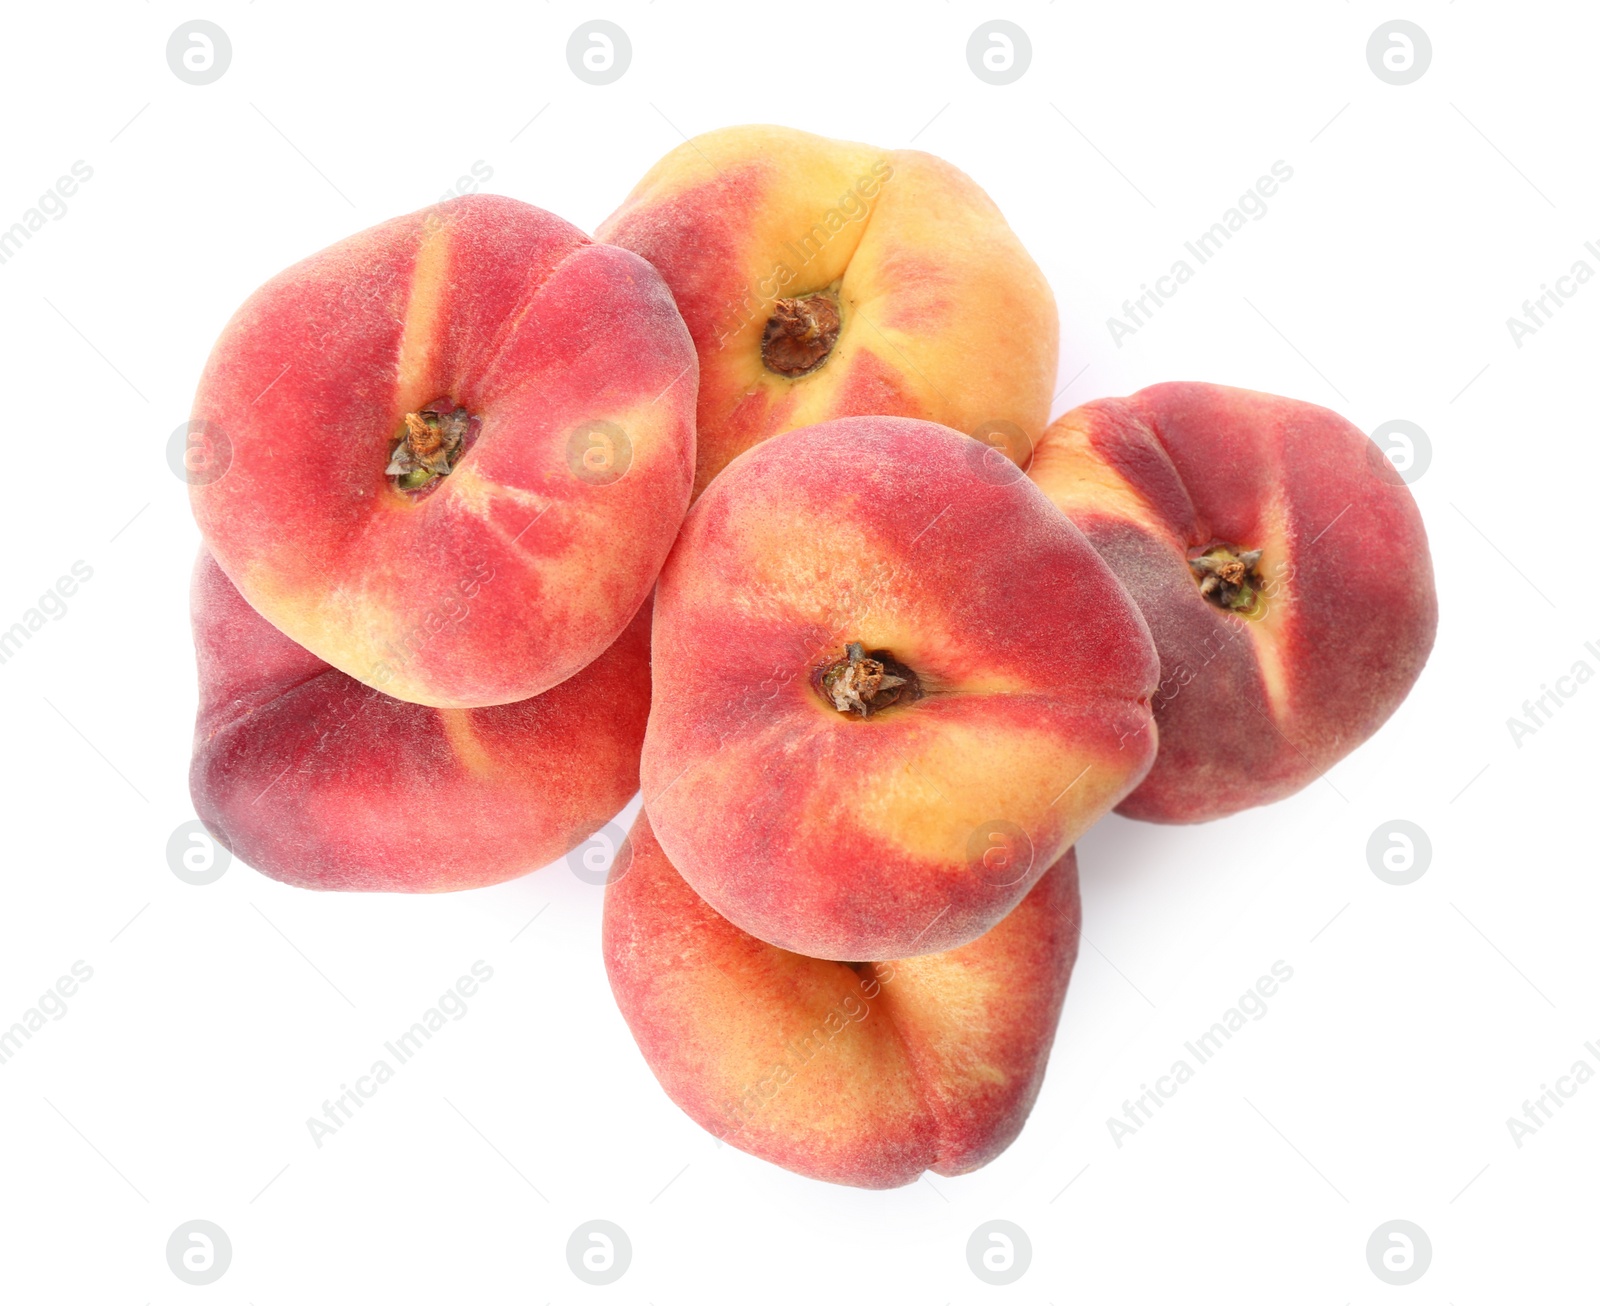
<point>934,309</point>
<point>858,1074</point>
<point>914,820</point>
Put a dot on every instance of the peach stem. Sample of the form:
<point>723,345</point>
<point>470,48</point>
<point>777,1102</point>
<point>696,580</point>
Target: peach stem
<point>800,334</point>
<point>1228,577</point>
<point>431,443</point>
<point>866,683</point>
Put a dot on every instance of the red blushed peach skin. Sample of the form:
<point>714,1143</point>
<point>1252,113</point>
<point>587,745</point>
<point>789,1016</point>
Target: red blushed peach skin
<point>551,383</point>
<point>995,680</point>
<point>935,310</point>
<point>1266,683</point>
<point>858,1074</point>
<point>320,781</point>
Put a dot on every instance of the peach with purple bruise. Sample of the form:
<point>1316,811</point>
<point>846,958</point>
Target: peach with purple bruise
<point>1264,686</point>
<point>548,344</point>
<point>863,1074</point>
<point>942,314</point>
<point>322,782</point>
<point>914,820</point>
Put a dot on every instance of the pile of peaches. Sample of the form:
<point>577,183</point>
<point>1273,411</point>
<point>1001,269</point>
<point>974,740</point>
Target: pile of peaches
<point>752,504</point>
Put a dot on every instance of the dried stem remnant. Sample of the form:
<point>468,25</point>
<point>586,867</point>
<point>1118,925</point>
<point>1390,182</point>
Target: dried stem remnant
<point>1228,577</point>
<point>866,683</point>
<point>800,334</point>
<point>434,438</point>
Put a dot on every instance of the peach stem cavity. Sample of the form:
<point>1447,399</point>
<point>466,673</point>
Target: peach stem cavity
<point>1228,577</point>
<point>430,443</point>
<point>865,683</point>
<point>800,334</point>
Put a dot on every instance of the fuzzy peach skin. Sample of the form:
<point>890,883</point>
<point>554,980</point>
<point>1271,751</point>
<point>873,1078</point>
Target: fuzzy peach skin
<point>580,378</point>
<point>1255,702</point>
<point>915,826</point>
<point>325,783</point>
<point>862,1074</point>
<point>943,314</point>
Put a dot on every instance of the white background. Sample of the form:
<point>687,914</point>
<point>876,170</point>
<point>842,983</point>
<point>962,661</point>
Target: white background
<point>1419,1018</point>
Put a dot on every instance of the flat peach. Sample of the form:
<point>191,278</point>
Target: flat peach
<point>892,685</point>
<point>320,781</point>
<point>476,398</point>
<point>1283,568</point>
<point>825,279</point>
<point>857,1074</point>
